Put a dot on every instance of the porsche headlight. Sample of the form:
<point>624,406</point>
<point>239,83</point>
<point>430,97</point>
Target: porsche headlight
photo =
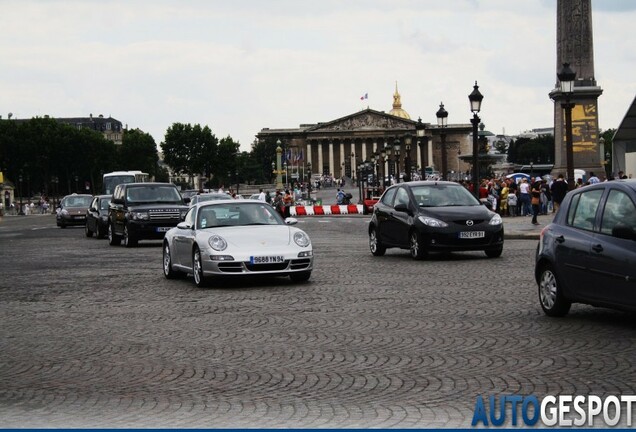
<point>496,220</point>
<point>138,216</point>
<point>432,222</point>
<point>217,243</point>
<point>301,239</point>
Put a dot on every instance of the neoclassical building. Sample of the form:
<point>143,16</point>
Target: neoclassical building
<point>334,147</point>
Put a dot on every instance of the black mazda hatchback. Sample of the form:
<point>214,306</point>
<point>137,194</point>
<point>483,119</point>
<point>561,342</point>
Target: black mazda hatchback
<point>434,216</point>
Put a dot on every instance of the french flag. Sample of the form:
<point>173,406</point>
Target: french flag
<point>365,96</point>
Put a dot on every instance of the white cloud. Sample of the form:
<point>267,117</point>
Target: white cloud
<point>242,66</point>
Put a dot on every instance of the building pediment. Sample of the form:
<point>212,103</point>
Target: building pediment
<point>366,120</point>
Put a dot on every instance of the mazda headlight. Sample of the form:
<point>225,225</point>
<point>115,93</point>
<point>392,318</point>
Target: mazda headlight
<point>496,220</point>
<point>432,222</point>
<point>217,243</point>
<point>138,216</point>
<point>301,239</point>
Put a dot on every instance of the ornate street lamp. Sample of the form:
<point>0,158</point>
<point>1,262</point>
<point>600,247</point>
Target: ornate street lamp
<point>385,152</point>
<point>21,212</point>
<point>396,147</point>
<point>475,99</point>
<point>419,131</point>
<point>407,159</point>
<point>566,77</point>
<point>442,121</point>
<point>376,170</point>
<point>279,177</point>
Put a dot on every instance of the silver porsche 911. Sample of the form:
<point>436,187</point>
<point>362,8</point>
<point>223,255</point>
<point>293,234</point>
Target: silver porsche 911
<point>230,238</point>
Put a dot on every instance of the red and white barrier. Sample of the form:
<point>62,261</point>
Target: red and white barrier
<point>319,210</point>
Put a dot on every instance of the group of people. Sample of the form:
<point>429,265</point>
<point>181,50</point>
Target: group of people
<point>526,198</point>
<point>532,197</point>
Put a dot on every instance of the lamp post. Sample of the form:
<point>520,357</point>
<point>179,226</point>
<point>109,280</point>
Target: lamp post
<point>383,153</point>
<point>566,77</point>
<point>279,178</point>
<point>376,171</point>
<point>442,121</point>
<point>237,181</point>
<point>360,182</point>
<point>475,99</point>
<point>396,147</point>
<point>55,181</point>
<point>419,132</point>
<point>608,166</point>
<point>21,212</point>
<point>407,159</point>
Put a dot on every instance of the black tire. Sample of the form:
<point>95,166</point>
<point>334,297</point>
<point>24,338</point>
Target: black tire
<point>377,249</point>
<point>168,271</point>
<point>551,297</point>
<point>87,230</point>
<point>416,246</point>
<point>197,269</point>
<point>62,225</point>
<point>102,232</point>
<point>113,239</point>
<point>128,240</point>
<point>494,253</point>
<point>300,276</point>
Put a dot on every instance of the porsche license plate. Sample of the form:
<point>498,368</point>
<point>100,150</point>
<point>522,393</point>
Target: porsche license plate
<point>472,234</point>
<point>267,259</point>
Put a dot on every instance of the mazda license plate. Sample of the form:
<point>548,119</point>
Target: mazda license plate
<point>472,234</point>
<point>267,259</point>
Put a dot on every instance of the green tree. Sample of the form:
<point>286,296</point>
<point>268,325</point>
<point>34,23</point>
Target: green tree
<point>138,151</point>
<point>190,150</point>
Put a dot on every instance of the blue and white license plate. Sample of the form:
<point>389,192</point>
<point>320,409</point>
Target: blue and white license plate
<point>267,259</point>
<point>472,234</point>
<point>162,229</point>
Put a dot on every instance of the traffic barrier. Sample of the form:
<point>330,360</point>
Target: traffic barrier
<point>319,210</point>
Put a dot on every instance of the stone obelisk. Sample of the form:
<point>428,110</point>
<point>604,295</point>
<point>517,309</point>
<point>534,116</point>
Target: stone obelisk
<point>575,46</point>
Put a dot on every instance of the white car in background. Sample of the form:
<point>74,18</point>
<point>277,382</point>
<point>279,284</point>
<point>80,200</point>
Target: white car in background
<point>230,238</point>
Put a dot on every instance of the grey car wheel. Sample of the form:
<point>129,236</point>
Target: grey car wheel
<point>168,271</point>
<point>375,245</point>
<point>113,239</point>
<point>128,240</point>
<point>416,247</point>
<point>553,302</point>
<point>88,231</point>
<point>300,276</point>
<point>494,253</point>
<point>197,269</point>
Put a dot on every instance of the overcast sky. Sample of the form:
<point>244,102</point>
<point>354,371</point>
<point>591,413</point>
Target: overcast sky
<point>239,66</point>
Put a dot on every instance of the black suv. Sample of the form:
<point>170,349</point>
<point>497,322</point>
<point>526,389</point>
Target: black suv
<point>144,211</point>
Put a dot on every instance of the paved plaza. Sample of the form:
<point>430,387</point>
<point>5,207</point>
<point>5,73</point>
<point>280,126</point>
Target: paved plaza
<point>94,336</point>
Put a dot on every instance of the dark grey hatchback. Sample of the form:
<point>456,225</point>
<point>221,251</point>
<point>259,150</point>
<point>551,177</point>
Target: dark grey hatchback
<point>434,216</point>
<point>588,253</point>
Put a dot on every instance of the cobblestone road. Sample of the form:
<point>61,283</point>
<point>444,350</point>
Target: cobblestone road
<point>94,336</point>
